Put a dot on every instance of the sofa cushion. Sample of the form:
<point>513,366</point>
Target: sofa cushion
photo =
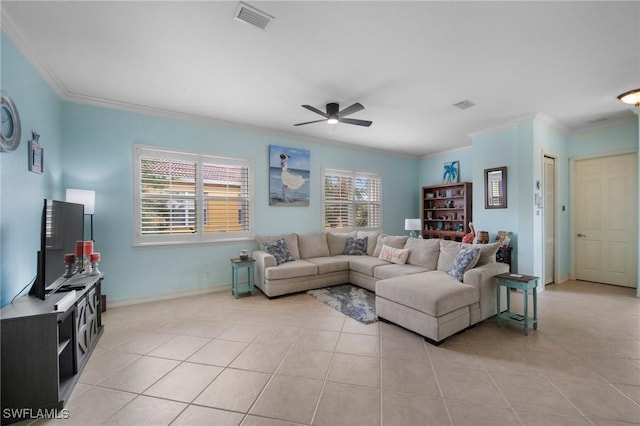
<point>313,245</point>
<point>394,255</point>
<point>391,241</point>
<point>330,264</point>
<point>297,268</point>
<point>337,241</point>
<point>365,264</point>
<point>434,292</point>
<point>466,259</point>
<point>423,252</point>
<point>448,252</point>
<point>372,240</point>
<point>390,271</point>
<point>291,240</point>
<point>279,250</point>
<point>487,252</point>
<point>356,246</point>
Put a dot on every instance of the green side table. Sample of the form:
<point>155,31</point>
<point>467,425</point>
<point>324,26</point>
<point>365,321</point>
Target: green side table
<point>524,283</point>
<point>236,265</point>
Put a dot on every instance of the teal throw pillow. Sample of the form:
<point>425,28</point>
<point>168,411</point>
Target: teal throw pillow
<point>279,250</point>
<point>356,246</point>
<point>465,260</point>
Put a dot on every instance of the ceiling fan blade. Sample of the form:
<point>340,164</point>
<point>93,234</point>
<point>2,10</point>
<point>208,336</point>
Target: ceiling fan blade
<point>316,110</point>
<point>365,123</point>
<point>309,122</point>
<point>351,109</point>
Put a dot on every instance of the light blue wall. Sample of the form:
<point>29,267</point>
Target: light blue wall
<point>98,155</point>
<point>91,148</point>
<point>520,147</point>
<point>21,191</point>
<point>610,140</point>
<point>431,167</point>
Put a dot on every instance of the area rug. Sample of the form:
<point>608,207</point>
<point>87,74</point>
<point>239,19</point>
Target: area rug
<point>356,302</point>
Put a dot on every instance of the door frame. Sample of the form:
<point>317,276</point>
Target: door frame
<point>572,198</point>
<point>556,217</point>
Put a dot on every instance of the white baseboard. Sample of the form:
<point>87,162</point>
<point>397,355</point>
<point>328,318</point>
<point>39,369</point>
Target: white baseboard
<point>166,296</point>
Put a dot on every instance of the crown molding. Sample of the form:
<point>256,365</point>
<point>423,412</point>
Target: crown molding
<point>606,124</point>
<point>449,151</point>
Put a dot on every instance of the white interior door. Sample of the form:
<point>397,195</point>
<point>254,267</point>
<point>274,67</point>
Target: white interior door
<point>549,211</point>
<point>605,218</point>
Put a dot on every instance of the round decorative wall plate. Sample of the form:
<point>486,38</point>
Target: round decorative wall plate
<point>10,127</point>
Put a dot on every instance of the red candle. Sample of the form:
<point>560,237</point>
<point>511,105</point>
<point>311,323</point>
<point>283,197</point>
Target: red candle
<point>69,258</point>
<point>79,248</point>
<point>94,257</point>
<point>88,247</point>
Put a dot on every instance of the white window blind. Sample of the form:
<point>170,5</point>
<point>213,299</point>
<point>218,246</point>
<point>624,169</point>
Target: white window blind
<point>351,200</point>
<point>183,197</point>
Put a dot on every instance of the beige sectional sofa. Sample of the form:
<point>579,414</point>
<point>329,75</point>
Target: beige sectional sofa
<point>418,294</point>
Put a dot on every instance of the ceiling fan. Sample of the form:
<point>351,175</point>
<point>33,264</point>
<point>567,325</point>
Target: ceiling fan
<point>334,115</point>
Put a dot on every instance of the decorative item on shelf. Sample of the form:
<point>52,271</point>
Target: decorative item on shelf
<point>440,226</point>
<point>94,258</point>
<point>244,254</point>
<point>471,236</point>
<point>482,237</point>
<point>429,215</point>
<point>36,154</point>
<point>448,192</point>
<point>504,237</point>
<point>83,250</point>
<point>69,261</point>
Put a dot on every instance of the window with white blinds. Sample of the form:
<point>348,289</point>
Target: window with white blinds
<point>351,200</point>
<point>182,197</point>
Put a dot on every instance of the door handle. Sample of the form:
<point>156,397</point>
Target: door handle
<point>581,235</point>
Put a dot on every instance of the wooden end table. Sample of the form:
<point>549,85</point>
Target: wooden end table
<point>236,265</point>
<point>524,283</point>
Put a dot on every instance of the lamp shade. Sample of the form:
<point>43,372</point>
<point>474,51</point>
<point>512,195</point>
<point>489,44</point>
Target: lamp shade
<point>83,196</point>
<point>631,97</point>
<point>412,225</point>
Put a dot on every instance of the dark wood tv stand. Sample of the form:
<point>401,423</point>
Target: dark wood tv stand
<point>44,350</point>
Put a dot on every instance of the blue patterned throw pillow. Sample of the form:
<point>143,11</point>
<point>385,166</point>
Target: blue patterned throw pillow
<point>465,260</point>
<point>356,246</point>
<point>279,250</point>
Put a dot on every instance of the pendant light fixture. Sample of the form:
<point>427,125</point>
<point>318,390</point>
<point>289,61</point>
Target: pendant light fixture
<point>632,97</point>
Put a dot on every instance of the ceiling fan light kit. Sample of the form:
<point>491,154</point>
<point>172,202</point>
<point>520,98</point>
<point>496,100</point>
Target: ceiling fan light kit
<point>334,115</point>
<point>632,97</point>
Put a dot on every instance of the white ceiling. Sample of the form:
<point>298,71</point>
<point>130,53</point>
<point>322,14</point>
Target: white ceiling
<point>406,62</point>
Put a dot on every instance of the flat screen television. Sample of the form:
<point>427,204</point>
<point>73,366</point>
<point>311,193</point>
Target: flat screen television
<point>62,224</point>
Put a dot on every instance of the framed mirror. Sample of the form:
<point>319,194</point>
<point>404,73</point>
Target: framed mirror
<point>495,188</point>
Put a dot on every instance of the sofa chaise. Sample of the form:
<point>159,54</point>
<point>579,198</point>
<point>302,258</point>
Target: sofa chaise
<point>420,284</point>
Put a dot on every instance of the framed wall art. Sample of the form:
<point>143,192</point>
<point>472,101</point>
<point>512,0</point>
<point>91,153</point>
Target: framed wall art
<point>289,176</point>
<point>36,155</point>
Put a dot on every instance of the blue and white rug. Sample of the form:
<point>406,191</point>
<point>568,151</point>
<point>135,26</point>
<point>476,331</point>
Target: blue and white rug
<point>356,302</point>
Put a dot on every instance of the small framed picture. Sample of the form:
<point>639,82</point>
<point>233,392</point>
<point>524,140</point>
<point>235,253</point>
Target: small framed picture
<point>36,157</point>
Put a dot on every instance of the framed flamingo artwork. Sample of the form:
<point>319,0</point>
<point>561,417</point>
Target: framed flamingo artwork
<point>288,176</point>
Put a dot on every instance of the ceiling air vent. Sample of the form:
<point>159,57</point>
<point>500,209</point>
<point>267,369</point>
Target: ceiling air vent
<point>253,16</point>
<point>597,120</point>
<point>464,104</point>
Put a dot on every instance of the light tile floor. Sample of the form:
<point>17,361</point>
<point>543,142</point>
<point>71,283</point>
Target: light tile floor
<point>216,360</point>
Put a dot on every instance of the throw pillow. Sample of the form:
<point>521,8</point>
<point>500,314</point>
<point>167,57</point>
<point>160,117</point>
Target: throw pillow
<point>394,255</point>
<point>465,260</point>
<point>356,246</point>
<point>279,250</point>
<point>391,241</point>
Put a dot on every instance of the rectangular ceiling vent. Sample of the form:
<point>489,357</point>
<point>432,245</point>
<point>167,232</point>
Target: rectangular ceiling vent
<point>253,16</point>
<point>464,104</point>
<point>597,120</point>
